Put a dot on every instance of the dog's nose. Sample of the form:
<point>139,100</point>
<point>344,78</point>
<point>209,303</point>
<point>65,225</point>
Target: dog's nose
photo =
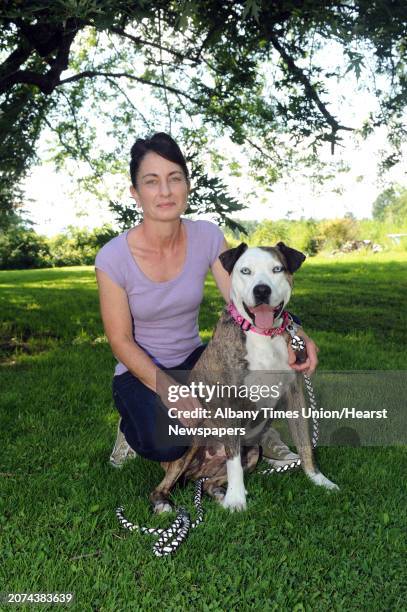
<point>262,292</point>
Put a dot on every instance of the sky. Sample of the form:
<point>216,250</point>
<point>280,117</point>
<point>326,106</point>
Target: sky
<point>52,205</point>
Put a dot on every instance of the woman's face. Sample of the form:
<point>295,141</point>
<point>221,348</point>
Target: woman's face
<point>162,188</point>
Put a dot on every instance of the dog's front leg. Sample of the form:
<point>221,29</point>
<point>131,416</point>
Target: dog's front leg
<point>299,430</point>
<point>174,469</point>
<point>235,498</point>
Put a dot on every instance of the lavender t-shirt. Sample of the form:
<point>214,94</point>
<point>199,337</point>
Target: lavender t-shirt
<point>165,315</point>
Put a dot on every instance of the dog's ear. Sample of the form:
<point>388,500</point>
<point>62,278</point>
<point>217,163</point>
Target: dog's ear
<point>293,258</point>
<point>230,257</point>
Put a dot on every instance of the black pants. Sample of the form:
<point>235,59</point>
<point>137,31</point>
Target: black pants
<point>142,413</point>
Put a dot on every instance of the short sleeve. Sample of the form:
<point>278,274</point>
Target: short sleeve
<point>215,240</point>
<point>110,260</point>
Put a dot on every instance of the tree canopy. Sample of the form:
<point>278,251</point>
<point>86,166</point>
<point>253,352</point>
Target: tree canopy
<point>252,70</point>
<point>391,205</point>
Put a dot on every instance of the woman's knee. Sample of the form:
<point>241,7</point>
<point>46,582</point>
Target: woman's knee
<point>147,445</point>
<point>144,420</point>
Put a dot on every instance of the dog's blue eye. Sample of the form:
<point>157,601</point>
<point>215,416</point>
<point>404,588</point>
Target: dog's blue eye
<point>245,271</point>
<point>278,269</point>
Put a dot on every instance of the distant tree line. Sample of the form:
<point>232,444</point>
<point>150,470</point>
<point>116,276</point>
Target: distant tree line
<point>21,247</point>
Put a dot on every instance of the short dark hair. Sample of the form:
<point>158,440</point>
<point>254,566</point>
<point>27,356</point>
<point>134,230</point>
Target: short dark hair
<point>160,143</point>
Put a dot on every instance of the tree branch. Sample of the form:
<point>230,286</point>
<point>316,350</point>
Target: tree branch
<point>64,144</point>
<point>27,77</point>
<point>117,75</point>
<point>163,76</point>
<point>261,151</point>
<point>15,59</point>
<point>44,37</point>
<point>309,89</point>
<point>61,61</point>
<point>140,41</point>
<point>194,58</point>
<point>61,41</point>
<point>211,32</point>
<point>137,110</point>
<point>78,136</point>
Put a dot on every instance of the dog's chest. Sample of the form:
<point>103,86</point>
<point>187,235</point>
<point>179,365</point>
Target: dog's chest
<point>265,353</point>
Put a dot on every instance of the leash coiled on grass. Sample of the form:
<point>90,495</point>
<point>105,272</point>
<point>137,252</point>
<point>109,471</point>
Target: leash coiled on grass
<point>172,537</point>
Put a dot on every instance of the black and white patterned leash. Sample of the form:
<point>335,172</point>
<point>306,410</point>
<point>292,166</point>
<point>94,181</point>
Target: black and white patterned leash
<point>172,537</point>
<point>314,439</point>
<point>298,344</point>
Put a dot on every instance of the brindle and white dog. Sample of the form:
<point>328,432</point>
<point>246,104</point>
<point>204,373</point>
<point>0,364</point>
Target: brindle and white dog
<point>261,284</point>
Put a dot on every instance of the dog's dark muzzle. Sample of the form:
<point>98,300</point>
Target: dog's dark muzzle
<point>262,294</point>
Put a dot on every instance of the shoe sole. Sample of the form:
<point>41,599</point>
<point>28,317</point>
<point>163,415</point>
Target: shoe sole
<point>117,466</point>
<point>120,464</point>
<point>280,462</point>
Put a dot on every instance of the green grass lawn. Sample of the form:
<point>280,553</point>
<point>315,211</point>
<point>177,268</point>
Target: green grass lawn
<point>297,547</point>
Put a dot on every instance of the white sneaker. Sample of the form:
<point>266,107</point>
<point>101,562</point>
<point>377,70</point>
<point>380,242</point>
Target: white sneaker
<point>281,456</point>
<point>276,452</point>
<point>121,451</point>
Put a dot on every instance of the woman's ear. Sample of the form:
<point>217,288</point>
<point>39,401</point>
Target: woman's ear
<point>134,195</point>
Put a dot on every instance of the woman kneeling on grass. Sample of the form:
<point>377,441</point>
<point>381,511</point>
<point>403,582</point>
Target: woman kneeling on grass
<point>151,280</point>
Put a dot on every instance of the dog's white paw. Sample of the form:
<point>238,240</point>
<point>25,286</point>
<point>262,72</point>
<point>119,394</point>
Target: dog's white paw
<point>322,481</point>
<point>234,503</point>
<point>162,507</point>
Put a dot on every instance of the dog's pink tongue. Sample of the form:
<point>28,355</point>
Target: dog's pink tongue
<point>263,316</point>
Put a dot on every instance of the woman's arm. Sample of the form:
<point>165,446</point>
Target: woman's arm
<point>116,317</point>
<point>221,276</point>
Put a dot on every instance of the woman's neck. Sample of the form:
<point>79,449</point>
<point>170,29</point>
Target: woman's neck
<point>161,236</point>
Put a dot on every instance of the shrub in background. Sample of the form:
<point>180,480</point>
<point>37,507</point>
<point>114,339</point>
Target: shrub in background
<point>333,233</point>
<point>22,248</point>
<point>78,246</point>
<point>268,233</point>
<point>301,235</point>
